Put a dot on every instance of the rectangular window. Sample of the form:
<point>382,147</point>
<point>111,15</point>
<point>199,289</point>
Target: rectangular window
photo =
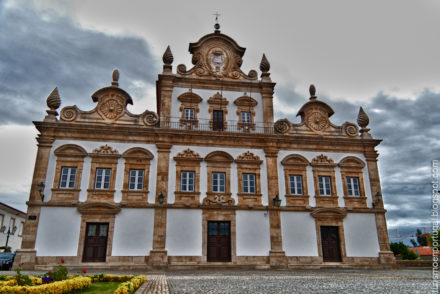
<point>245,117</point>
<point>187,181</point>
<point>189,113</point>
<point>324,186</point>
<point>136,181</point>
<point>353,186</point>
<point>102,179</point>
<point>67,179</point>
<point>218,182</point>
<point>296,187</point>
<point>12,225</point>
<point>20,230</point>
<point>249,183</point>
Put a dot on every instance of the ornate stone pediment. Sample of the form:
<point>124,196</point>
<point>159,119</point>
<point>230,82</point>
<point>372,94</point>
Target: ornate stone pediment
<point>218,99</point>
<point>105,150</point>
<point>248,157</point>
<point>322,160</point>
<point>351,162</point>
<point>70,150</point>
<point>332,213</point>
<point>246,101</point>
<point>217,56</point>
<point>111,108</point>
<point>187,154</point>
<point>190,97</point>
<point>137,153</point>
<point>295,160</point>
<point>218,199</point>
<point>219,156</point>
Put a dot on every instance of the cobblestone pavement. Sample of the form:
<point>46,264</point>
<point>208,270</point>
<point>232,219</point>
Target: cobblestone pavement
<point>155,284</point>
<point>327,281</point>
<point>313,281</point>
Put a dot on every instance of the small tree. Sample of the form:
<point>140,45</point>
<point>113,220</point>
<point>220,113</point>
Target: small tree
<point>421,239</point>
<point>413,242</point>
<point>402,249</point>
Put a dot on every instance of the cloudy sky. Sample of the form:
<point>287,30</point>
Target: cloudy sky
<point>383,55</point>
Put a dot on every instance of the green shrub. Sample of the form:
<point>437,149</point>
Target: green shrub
<point>398,248</point>
<point>409,255</point>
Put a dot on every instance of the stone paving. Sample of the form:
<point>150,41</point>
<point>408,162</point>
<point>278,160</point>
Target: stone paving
<point>327,281</point>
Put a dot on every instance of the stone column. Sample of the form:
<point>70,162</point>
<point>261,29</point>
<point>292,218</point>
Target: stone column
<point>277,256</point>
<point>158,255</point>
<point>386,256</point>
<point>27,253</point>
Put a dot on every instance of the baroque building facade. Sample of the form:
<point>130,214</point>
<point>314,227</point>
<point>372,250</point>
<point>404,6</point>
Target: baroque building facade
<point>208,180</point>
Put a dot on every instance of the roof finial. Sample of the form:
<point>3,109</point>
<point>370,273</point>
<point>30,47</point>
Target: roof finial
<point>312,91</point>
<point>265,67</point>
<point>115,77</point>
<point>217,25</point>
<point>363,120</point>
<point>53,101</point>
<point>167,57</point>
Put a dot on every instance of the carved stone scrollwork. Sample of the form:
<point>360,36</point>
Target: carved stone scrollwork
<point>69,113</point>
<point>350,129</point>
<point>282,126</point>
<point>219,200</point>
<point>322,159</point>
<point>150,118</point>
<point>253,75</point>
<point>181,69</point>
<point>105,149</point>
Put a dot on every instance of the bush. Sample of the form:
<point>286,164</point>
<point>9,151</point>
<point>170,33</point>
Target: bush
<point>409,255</point>
<point>402,250</point>
<point>131,286</point>
<point>60,287</point>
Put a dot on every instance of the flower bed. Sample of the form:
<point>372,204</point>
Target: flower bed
<point>59,287</point>
<point>110,278</point>
<point>131,285</point>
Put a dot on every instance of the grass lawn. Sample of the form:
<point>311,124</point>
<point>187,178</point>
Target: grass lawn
<point>102,287</point>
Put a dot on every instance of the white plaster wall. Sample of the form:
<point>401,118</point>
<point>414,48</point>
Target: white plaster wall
<point>337,157</point>
<point>204,106</point>
<point>133,234</point>
<point>184,232</point>
<point>89,146</point>
<point>252,233</point>
<point>58,231</point>
<point>361,235</point>
<point>14,239</point>
<point>299,234</point>
<point>203,151</point>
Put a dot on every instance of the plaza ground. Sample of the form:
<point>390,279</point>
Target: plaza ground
<point>270,281</point>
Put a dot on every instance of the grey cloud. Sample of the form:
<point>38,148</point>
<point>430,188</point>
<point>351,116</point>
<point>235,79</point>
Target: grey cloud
<point>44,53</point>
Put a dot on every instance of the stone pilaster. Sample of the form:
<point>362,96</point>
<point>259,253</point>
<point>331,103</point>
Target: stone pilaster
<point>27,253</point>
<point>158,255</point>
<point>277,256</point>
<point>267,95</point>
<point>386,256</point>
<point>165,84</point>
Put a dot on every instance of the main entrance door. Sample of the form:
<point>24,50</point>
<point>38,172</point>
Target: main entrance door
<point>331,250</point>
<point>95,244</point>
<point>219,241</point>
<point>217,122</point>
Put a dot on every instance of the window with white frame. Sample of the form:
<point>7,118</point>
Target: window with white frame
<point>218,182</point>
<point>102,179</point>
<point>188,113</point>
<point>20,230</point>
<point>12,225</point>
<point>296,187</point>
<point>187,181</point>
<point>136,181</point>
<point>353,186</point>
<point>324,186</point>
<point>67,179</point>
<point>245,117</point>
<point>249,183</point>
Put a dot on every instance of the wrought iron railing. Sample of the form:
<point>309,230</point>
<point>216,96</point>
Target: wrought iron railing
<point>208,125</point>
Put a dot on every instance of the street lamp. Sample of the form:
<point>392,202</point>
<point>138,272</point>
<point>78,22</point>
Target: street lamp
<point>41,190</point>
<point>7,235</point>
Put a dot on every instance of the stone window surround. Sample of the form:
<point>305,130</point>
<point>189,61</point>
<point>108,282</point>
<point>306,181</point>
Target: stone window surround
<point>248,163</point>
<point>246,104</point>
<point>69,155</point>
<point>219,161</point>
<point>353,167</point>
<point>187,160</point>
<point>103,157</point>
<point>136,158</point>
<point>323,166</point>
<point>218,102</point>
<point>189,100</point>
<point>295,164</point>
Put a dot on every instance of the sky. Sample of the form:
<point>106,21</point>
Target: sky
<point>383,55</point>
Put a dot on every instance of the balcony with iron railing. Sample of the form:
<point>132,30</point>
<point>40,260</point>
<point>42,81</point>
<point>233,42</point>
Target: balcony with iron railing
<point>229,126</point>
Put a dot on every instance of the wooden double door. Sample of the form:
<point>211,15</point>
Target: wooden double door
<point>219,241</point>
<point>331,248</point>
<point>95,243</point>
